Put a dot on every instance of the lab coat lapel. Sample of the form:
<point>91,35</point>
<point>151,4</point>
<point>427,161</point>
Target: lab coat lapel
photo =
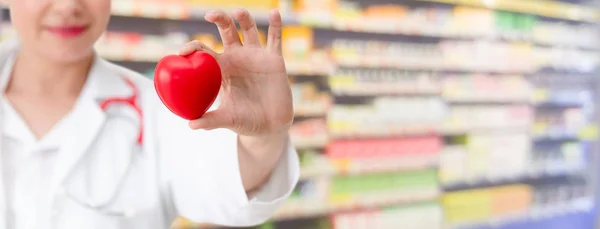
<point>7,49</point>
<point>88,118</point>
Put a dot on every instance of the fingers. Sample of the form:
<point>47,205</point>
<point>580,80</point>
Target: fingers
<point>248,27</point>
<point>193,46</point>
<point>275,27</point>
<point>227,28</point>
<point>212,120</point>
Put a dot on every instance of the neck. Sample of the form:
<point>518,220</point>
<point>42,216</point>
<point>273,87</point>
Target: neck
<point>34,75</point>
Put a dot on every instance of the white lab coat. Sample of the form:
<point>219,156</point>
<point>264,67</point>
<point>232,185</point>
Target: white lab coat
<point>177,172</point>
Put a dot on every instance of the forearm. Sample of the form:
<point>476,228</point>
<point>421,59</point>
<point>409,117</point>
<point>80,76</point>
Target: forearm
<point>258,156</point>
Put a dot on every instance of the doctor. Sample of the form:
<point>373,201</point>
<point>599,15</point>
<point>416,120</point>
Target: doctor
<point>87,144</point>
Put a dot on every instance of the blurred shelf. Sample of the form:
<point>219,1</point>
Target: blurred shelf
<point>533,174</point>
<point>588,132</point>
<point>407,131</point>
<point>554,138</point>
<point>484,99</point>
<point>542,131</point>
<point>382,90</point>
<point>522,54</point>
<point>326,69</point>
<point>433,67</point>
<point>461,130</point>
<point>552,9</point>
<point>584,204</point>
<point>309,67</point>
<point>293,67</point>
<point>184,11</point>
<point>177,11</point>
<point>342,167</point>
<point>441,34</point>
<point>308,208</point>
<point>558,104</point>
<point>379,132</point>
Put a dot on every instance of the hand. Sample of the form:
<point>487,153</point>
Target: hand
<point>255,97</point>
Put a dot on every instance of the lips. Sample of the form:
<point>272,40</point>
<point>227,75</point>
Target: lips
<point>67,31</point>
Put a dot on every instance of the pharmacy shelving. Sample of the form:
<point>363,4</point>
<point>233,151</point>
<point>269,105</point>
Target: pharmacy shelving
<point>181,10</point>
<point>311,208</point>
<point>554,9</point>
<point>509,221</point>
<point>423,113</point>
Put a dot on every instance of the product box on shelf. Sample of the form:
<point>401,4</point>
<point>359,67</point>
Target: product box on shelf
<point>386,117</point>
<point>486,88</point>
<point>186,9</point>
<point>298,42</point>
<point>498,155</point>
<point>486,158</point>
<point>374,82</point>
<point>383,189</point>
<point>566,122</point>
<point>558,157</point>
<point>417,216</point>
<point>384,155</point>
<point>464,118</point>
<point>315,12</point>
<point>474,206</point>
<point>120,46</point>
<point>310,133</point>
<point>152,8</point>
<point>309,100</point>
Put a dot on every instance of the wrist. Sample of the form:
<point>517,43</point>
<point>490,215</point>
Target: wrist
<point>258,155</point>
<point>264,145</point>
<point>280,135</point>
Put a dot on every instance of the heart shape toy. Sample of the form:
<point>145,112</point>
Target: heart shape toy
<point>188,85</point>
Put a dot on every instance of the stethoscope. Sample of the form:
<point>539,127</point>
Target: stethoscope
<point>101,206</point>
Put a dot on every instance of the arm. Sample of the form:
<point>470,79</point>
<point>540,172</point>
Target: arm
<point>234,166</point>
<point>258,157</point>
<point>257,97</point>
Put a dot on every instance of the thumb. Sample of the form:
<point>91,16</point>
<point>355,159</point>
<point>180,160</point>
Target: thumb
<point>212,120</point>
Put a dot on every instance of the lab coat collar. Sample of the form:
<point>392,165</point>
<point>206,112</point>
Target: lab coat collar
<point>101,84</point>
<point>89,118</point>
<point>104,81</point>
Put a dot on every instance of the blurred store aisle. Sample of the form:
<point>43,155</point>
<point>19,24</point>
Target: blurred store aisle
<point>421,114</point>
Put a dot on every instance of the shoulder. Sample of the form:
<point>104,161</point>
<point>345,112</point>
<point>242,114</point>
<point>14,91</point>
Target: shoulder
<point>142,82</point>
<point>147,96</point>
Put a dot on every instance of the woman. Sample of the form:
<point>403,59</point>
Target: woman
<point>69,163</point>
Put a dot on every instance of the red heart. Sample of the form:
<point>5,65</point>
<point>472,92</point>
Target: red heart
<point>188,85</point>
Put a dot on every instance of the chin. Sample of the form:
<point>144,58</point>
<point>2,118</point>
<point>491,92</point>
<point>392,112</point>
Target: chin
<point>70,55</point>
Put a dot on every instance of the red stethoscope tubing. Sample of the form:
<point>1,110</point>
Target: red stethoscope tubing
<point>131,101</point>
